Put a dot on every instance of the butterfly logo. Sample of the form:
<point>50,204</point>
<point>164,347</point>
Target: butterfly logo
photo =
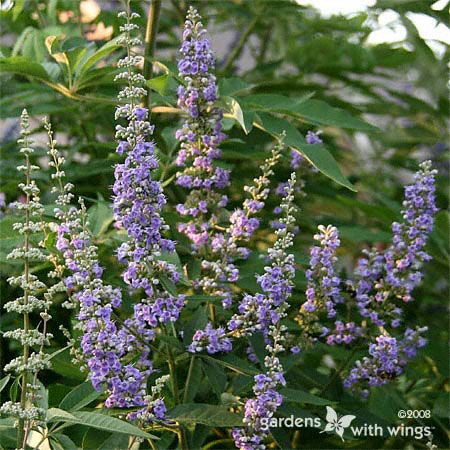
<point>337,424</point>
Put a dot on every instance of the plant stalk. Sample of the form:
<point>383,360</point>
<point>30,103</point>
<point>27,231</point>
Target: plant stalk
<point>150,40</point>
<point>236,52</point>
<point>189,379</point>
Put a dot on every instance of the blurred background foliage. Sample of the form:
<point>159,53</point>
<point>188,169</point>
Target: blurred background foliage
<point>381,108</point>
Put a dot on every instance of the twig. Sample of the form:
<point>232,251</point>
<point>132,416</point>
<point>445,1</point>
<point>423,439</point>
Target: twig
<point>235,53</point>
<point>150,40</point>
<point>189,379</point>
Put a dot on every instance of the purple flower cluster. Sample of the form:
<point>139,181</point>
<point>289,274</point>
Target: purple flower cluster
<point>396,272</point>
<point>214,340</point>
<point>103,343</point>
<point>323,291</point>
<point>260,311</point>
<point>343,333</point>
<point>388,357</point>
<point>200,136</point>
<point>263,313</point>
<point>219,270</point>
<point>380,279</point>
<point>118,356</point>
<point>138,201</point>
<point>260,409</point>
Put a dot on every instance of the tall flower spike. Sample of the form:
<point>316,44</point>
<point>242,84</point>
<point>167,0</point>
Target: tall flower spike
<point>219,268</point>
<point>108,348</point>
<point>227,246</point>
<point>138,201</point>
<point>323,288</point>
<point>27,366</point>
<point>264,312</point>
<point>118,355</point>
<point>396,273</point>
<point>200,136</point>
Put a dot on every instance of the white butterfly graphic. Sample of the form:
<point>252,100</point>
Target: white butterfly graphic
<point>338,425</point>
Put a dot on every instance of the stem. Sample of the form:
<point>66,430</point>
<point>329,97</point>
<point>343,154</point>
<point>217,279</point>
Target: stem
<point>264,47</point>
<point>216,442</point>
<point>182,438</point>
<point>339,370</point>
<point>173,374</point>
<point>212,313</point>
<point>236,52</point>
<point>189,379</point>
<point>150,40</point>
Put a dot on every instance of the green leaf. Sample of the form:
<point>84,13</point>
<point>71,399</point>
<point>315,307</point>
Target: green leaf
<point>80,396</point>
<point>23,66</point>
<point>216,376</point>
<point>297,396</point>
<point>7,423</point>
<point>233,86</point>
<point>275,102</point>
<point>318,155</point>
<point>191,388</point>
<point>317,111</point>
<point>62,442</point>
<point>163,84</point>
<point>17,9</point>
<point>102,52</point>
<point>245,119</point>
<point>59,415</point>
<point>211,415</point>
<point>114,442</point>
<point>107,423</point>
<point>4,381</point>
<point>363,234</point>
<point>233,363</point>
<point>100,217</point>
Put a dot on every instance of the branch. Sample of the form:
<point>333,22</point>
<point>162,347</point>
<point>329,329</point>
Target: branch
<point>150,39</point>
<point>240,45</point>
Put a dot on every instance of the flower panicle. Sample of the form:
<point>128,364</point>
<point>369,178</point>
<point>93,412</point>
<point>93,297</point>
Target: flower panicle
<point>264,313</point>
<point>35,298</point>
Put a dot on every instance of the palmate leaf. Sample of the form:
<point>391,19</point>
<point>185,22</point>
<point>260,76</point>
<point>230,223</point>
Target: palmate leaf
<point>307,109</point>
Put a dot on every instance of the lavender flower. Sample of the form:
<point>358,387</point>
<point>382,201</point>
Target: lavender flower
<point>213,340</point>
<point>200,135</point>
<point>227,246</point>
<point>323,282</point>
<point>388,356</point>
<point>394,274</point>
<point>218,266</point>
<point>264,312</point>
<point>118,355</point>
